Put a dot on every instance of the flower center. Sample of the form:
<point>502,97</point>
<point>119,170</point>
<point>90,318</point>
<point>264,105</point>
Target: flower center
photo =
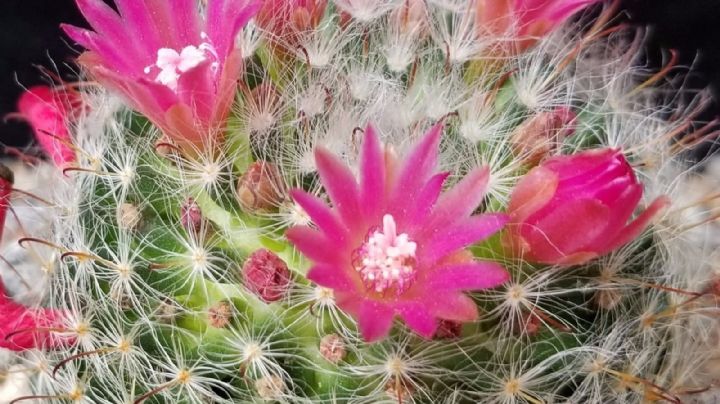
<point>172,64</point>
<point>387,259</point>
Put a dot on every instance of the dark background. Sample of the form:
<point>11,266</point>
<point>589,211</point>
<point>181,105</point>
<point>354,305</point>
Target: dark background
<point>30,36</point>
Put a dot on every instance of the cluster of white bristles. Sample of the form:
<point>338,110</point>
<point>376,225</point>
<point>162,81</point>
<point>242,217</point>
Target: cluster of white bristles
<point>651,335</point>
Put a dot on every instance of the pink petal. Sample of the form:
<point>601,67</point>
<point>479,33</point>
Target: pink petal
<point>417,214</point>
<point>418,317</point>
<point>138,19</point>
<point>161,13</point>
<point>460,201</point>
<point>322,216</point>
<point>623,208</point>
<point>572,227</point>
<point>455,307</point>
<point>196,89</point>
<point>451,238</point>
<point>534,191</point>
<point>314,245</point>
<point>341,186</point>
<point>108,25</point>
<point>224,20</point>
<point>105,53</point>
<point>637,226</point>
<point>416,169</point>
<point>330,277</point>
<point>226,86</point>
<point>374,320</point>
<point>22,328</point>
<point>470,276</point>
<point>372,174</point>
<point>186,22</point>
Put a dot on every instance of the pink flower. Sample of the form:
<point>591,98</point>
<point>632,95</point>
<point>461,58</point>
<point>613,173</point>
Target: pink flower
<point>392,244</point>
<point>571,209</point>
<point>525,20</point>
<point>49,111</point>
<point>23,328</point>
<point>173,66</point>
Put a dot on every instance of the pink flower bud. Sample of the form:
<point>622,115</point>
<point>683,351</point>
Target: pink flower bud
<point>49,111</point>
<point>266,275</point>
<point>332,348</point>
<point>220,314</point>
<point>260,188</point>
<point>541,135</point>
<point>571,209</point>
<point>190,215</point>
<point>521,23</point>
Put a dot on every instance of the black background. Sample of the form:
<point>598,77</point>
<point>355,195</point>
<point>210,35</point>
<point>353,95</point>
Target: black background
<point>30,36</point>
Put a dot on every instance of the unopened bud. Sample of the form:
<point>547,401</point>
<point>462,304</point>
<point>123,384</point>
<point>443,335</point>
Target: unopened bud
<point>266,275</point>
<point>448,329</point>
<point>190,215</point>
<point>128,216</point>
<point>541,135</point>
<point>260,188</point>
<point>220,314</point>
<point>270,387</point>
<point>332,348</point>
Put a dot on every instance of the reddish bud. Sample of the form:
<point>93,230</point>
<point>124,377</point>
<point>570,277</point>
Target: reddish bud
<point>190,215</point>
<point>260,188</point>
<point>541,135</point>
<point>266,275</point>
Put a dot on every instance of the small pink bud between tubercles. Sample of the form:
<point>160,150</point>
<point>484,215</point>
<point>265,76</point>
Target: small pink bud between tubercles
<point>332,348</point>
<point>190,215</point>
<point>266,275</point>
<point>220,314</point>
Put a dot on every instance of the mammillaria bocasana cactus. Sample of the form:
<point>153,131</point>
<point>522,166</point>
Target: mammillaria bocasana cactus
<point>366,201</point>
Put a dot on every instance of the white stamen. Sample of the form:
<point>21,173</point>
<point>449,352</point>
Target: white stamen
<point>387,259</point>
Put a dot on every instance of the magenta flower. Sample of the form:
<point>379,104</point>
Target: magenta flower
<point>525,20</point>
<point>571,209</point>
<point>49,111</point>
<point>173,66</point>
<point>22,328</point>
<point>392,244</point>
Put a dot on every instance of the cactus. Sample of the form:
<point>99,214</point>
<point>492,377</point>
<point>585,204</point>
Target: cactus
<point>195,260</point>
